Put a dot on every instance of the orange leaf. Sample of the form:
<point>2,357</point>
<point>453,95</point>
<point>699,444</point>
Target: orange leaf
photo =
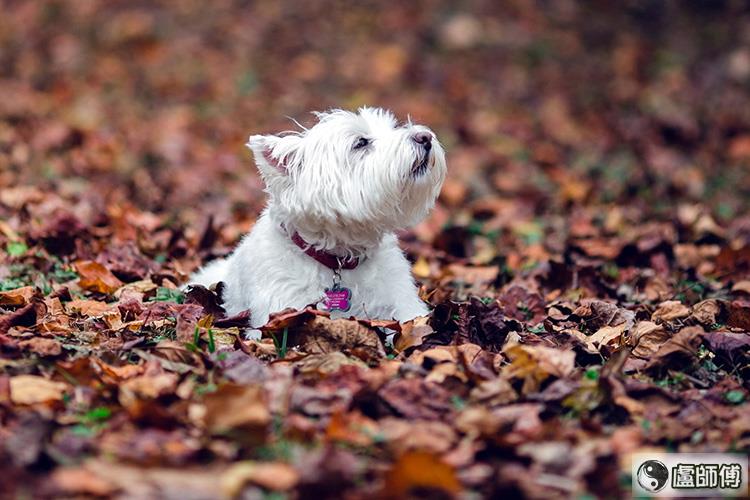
<point>96,278</point>
<point>417,469</point>
<point>18,297</point>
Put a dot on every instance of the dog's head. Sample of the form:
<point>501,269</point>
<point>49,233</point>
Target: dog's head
<point>351,173</point>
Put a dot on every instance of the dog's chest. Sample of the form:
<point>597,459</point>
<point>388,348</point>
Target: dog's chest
<point>358,292</point>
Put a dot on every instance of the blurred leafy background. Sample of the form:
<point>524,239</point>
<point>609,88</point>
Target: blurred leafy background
<point>553,104</point>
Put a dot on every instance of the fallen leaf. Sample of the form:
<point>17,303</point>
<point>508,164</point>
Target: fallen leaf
<point>419,470</point>
<point>606,336</point>
<point>26,438</point>
<point>321,335</point>
<point>138,288</point>
<point>534,364</point>
<point>149,446</point>
<point>25,316</point>
<point>118,373</point>
<point>416,399</point>
<point>733,346</point>
<point>42,346</point>
<point>428,436</point>
<point>17,297</point>
<point>670,311</point>
<point>158,481</point>
<point>739,314</point>
<point>742,287</point>
<point>290,318</point>
<point>236,407</point>
<point>96,278</point>
<point>421,268</point>
<point>493,392</point>
<point>681,347</point>
<point>89,308</point>
<point>32,389</point>
<point>598,314</point>
<point>411,334</point>
<point>330,362</point>
<point>647,338</point>
<point>80,481</point>
<point>276,476</point>
<point>208,299</point>
<point>352,427</point>
<point>240,368</point>
<point>707,312</point>
<point>147,386</point>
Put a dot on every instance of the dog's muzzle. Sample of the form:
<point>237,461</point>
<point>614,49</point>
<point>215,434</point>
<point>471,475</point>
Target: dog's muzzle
<point>422,164</point>
<point>424,142</point>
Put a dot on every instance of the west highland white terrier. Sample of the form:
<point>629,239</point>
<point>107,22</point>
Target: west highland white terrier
<point>337,192</point>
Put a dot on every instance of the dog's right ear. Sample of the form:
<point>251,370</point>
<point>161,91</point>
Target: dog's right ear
<point>269,156</point>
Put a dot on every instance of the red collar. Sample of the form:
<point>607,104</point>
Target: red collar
<point>328,259</point>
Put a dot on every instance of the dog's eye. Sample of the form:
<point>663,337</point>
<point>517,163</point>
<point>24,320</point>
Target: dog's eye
<point>361,142</point>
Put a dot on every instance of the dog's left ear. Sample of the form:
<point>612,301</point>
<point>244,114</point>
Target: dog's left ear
<point>272,153</point>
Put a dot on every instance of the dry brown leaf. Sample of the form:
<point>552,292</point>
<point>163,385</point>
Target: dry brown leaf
<point>497,391</point>
<point>137,287</point>
<point>419,470</point>
<point>606,248</point>
<point>670,311</point>
<point>742,287</point>
<point>648,337</point>
<point>42,346</point>
<point>96,278</point>
<point>235,407</point>
<point>158,482</point>
<point>475,275</point>
<point>418,435</point>
<point>421,268</point>
<point>477,420</point>
<point>684,344</point>
<point>441,371</point>
<point>606,336</point>
<point>17,297</point>
<point>707,312</point>
<point>598,313</point>
<point>147,386</point>
<point>533,364</point>
<point>412,333</point>
<point>738,314</point>
<point>632,406</point>
<point>290,318</point>
<point>439,354</point>
<point>118,373</point>
<point>86,307</point>
<point>352,427</point>
<point>81,481</point>
<point>276,476</point>
<point>321,335</point>
<point>32,389</point>
<point>330,362</point>
<point>56,320</point>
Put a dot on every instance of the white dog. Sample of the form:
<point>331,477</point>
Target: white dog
<point>337,192</point>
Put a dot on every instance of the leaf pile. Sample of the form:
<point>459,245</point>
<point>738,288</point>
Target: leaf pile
<point>587,265</point>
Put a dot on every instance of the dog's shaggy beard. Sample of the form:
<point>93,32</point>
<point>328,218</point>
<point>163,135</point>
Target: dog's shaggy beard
<point>341,195</point>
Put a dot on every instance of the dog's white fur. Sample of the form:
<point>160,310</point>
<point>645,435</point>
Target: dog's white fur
<point>340,198</point>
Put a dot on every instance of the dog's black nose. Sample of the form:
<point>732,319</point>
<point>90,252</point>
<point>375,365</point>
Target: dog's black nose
<point>423,138</point>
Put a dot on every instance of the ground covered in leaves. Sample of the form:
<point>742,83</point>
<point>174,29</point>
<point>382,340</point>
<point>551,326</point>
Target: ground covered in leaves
<point>588,264</point>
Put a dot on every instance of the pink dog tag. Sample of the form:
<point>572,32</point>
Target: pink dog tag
<point>337,299</point>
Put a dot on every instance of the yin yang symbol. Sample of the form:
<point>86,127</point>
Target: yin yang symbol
<point>652,475</point>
